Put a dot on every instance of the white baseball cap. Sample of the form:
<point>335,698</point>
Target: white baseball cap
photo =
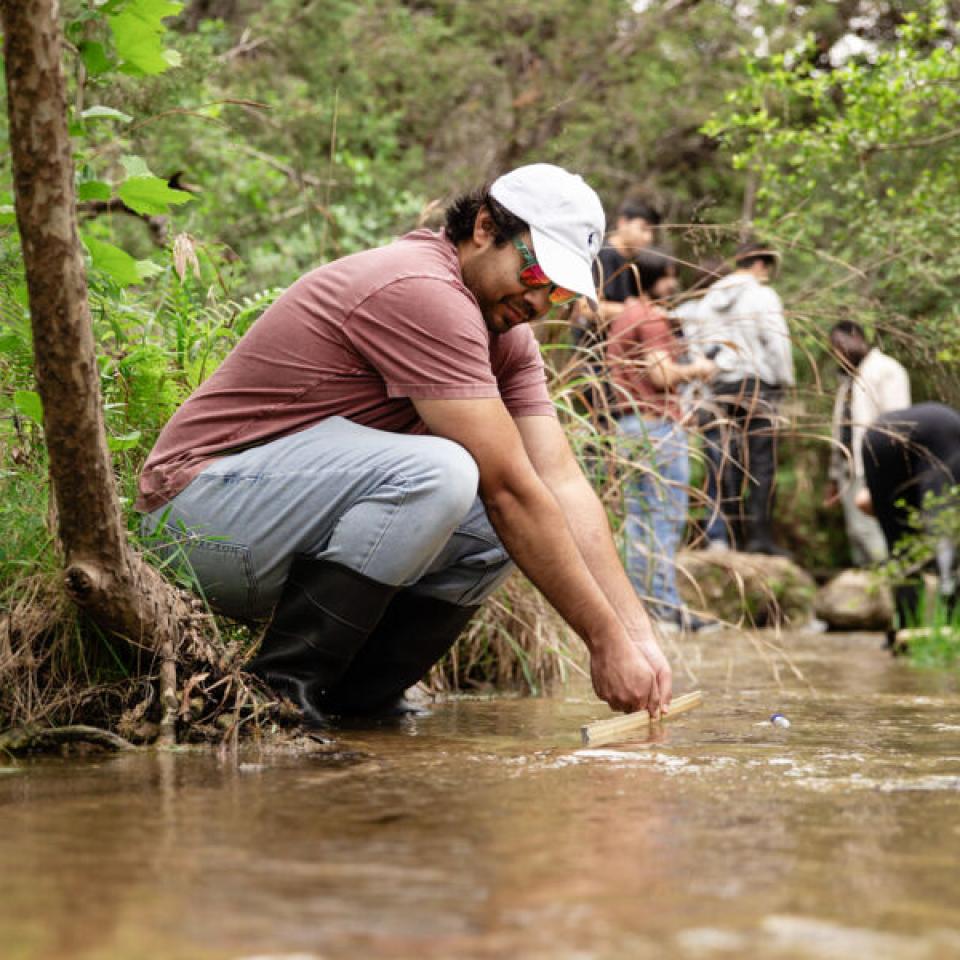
<point>565,217</point>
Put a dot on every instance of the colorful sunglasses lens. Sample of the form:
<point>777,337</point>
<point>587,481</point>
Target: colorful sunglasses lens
<point>559,295</point>
<point>533,276</point>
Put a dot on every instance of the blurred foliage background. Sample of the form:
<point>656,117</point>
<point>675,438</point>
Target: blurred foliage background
<point>223,147</point>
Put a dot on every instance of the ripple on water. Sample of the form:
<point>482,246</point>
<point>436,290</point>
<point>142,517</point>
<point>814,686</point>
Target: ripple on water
<point>815,939</point>
<point>282,956</point>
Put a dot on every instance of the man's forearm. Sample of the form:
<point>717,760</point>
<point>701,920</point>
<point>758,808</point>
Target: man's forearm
<point>534,530</point>
<point>591,533</point>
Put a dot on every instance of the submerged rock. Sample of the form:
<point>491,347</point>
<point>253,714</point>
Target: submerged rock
<point>751,589</point>
<point>855,600</point>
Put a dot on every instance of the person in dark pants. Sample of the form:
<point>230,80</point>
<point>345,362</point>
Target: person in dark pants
<point>699,400</point>
<point>907,455</point>
<point>744,316</point>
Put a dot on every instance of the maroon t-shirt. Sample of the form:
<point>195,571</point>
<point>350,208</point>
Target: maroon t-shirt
<point>634,335</point>
<point>358,338</point>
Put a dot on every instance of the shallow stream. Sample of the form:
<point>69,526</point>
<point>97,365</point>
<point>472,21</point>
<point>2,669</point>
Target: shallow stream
<point>487,830</point>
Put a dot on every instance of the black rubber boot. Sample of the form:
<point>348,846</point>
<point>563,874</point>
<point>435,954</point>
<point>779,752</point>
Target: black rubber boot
<point>324,616</point>
<point>413,634</point>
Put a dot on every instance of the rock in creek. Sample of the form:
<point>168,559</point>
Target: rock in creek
<point>855,600</point>
<point>750,589</point>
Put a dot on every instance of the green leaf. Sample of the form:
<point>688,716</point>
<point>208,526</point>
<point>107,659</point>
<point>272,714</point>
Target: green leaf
<point>147,268</point>
<point>28,404</point>
<point>8,215</point>
<point>150,195</point>
<point>94,58</point>
<point>138,35</point>
<point>99,112</point>
<point>94,190</point>
<point>111,260</point>
<point>9,343</point>
<point>124,441</point>
<point>135,166</point>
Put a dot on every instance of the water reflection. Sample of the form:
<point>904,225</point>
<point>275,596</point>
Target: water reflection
<point>488,831</point>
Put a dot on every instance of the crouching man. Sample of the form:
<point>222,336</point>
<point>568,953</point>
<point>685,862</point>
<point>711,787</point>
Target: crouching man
<point>379,449</point>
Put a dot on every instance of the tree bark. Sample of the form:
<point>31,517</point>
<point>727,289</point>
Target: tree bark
<point>123,594</point>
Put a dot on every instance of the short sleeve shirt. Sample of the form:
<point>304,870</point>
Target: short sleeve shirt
<point>635,334</point>
<point>616,276</point>
<point>359,338</point>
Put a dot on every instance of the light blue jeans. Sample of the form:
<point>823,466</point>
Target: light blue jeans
<point>656,500</point>
<point>400,509</point>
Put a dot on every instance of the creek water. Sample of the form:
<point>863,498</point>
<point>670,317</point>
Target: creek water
<point>487,830</point>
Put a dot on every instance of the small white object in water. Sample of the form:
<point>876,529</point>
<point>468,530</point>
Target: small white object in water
<point>779,720</point>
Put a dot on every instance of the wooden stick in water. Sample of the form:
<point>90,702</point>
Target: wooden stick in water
<point>619,728</point>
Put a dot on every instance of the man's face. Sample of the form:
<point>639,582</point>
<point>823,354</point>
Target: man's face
<point>848,349</point>
<point>762,270</point>
<point>635,233</point>
<point>492,275</point>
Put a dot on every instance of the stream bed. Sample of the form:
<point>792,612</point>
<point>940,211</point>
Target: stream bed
<point>487,830</point>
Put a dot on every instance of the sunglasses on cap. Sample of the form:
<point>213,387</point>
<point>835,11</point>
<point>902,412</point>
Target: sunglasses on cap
<point>531,275</point>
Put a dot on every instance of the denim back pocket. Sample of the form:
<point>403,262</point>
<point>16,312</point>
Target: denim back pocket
<point>221,572</point>
<point>223,575</point>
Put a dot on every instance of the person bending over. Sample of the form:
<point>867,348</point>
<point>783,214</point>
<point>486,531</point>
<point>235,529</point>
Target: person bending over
<point>910,455</point>
<point>379,449</point>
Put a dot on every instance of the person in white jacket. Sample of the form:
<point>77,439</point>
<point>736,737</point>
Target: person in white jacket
<point>743,323</point>
<point>871,384</point>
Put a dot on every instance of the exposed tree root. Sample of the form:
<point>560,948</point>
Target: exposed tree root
<point>27,739</point>
<point>58,672</point>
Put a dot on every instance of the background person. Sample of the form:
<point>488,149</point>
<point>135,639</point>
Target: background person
<point>871,384</point>
<point>698,400</point>
<point>643,356</point>
<point>617,279</point>
<point>742,316</point>
<point>909,455</point>
<point>327,474</point>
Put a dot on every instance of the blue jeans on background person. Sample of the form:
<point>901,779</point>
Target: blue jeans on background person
<point>656,503</point>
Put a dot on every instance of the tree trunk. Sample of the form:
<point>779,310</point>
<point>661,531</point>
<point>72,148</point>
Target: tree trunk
<point>118,590</point>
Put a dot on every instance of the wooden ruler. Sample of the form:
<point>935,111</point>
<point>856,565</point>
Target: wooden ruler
<point>620,728</point>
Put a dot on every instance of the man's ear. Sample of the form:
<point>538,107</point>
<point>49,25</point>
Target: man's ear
<point>484,229</point>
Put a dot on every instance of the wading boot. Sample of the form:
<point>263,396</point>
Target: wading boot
<point>324,616</point>
<point>413,634</point>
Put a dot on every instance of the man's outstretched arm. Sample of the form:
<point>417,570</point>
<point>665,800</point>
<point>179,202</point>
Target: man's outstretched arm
<point>538,536</point>
<point>550,453</point>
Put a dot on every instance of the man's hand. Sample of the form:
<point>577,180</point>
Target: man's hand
<point>702,369</point>
<point>624,678</point>
<point>864,502</point>
<point>661,669</point>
